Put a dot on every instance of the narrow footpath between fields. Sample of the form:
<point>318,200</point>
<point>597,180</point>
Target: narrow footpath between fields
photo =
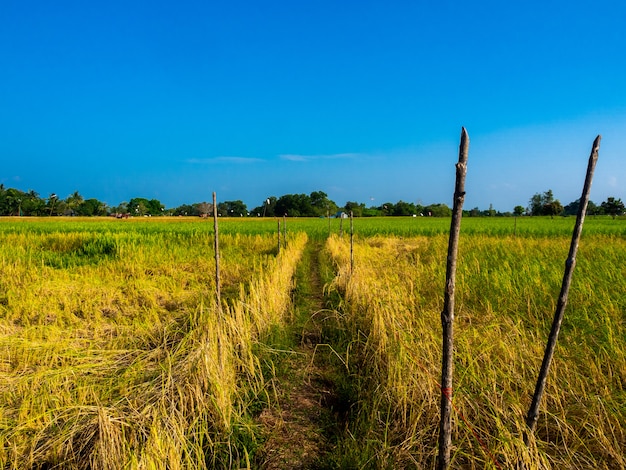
<point>301,431</point>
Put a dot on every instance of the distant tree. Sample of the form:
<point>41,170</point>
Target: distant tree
<point>438,210</point>
<point>120,209</point>
<point>592,208</point>
<point>294,205</point>
<point>52,205</point>
<point>72,202</point>
<point>356,208</point>
<point>266,209</point>
<point>535,205</point>
<point>519,210</point>
<point>91,207</point>
<point>155,207</point>
<point>613,207</point>
<point>13,199</point>
<point>386,208</point>
<point>232,209</point>
<point>475,212</point>
<point>321,204</point>
<point>572,208</point>
<point>402,208</point>
<point>544,204</point>
<point>553,208</point>
<point>202,209</point>
<point>140,206</point>
<point>372,211</point>
<point>193,209</point>
<point>32,204</point>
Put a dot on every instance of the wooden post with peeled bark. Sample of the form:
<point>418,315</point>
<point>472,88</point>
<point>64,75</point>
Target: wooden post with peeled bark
<point>447,315</point>
<point>533,412</point>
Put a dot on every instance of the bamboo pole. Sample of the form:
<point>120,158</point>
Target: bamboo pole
<point>533,412</point>
<point>447,315</point>
<point>218,294</point>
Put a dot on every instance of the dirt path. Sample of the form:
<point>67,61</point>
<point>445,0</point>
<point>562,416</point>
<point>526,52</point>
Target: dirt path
<point>300,430</point>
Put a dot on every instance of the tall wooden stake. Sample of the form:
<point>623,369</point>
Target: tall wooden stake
<point>278,236</point>
<point>351,243</point>
<point>218,294</point>
<point>447,315</point>
<point>533,412</point>
<point>328,215</point>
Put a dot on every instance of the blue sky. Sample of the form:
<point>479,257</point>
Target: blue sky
<point>361,99</point>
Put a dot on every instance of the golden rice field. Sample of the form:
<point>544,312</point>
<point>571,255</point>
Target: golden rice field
<point>507,289</point>
<point>114,353</point>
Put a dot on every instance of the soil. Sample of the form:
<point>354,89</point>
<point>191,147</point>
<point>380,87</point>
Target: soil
<point>300,430</point>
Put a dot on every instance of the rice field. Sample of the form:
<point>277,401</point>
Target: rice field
<point>115,354</point>
<point>507,288</point>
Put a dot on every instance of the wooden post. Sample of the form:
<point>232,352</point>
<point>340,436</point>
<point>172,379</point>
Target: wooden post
<point>447,315</point>
<point>218,294</point>
<point>278,236</point>
<point>351,243</point>
<point>533,412</point>
<point>328,215</point>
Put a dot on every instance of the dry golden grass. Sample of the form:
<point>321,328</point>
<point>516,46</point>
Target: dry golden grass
<point>506,295</point>
<point>113,354</point>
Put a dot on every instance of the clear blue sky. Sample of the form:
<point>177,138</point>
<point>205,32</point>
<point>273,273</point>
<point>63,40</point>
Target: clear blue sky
<point>361,99</point>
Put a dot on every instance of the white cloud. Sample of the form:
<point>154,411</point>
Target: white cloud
<point>307,158</point>
<point>237,160</point>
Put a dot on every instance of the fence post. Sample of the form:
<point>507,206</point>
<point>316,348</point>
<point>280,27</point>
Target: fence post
<point>533,412</point>
<point>447,315</point>
<point>218,294</point>
<point>328,215</point>
<point>351,244</point>
<point>278,232</point>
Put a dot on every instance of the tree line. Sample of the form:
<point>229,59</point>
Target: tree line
<point>14,202</point>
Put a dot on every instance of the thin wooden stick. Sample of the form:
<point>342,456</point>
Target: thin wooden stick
<point>533,412</point>
<point>447,315</point>
<point>278,236</point>
<point>351,243</point>
<point>218,294</point>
